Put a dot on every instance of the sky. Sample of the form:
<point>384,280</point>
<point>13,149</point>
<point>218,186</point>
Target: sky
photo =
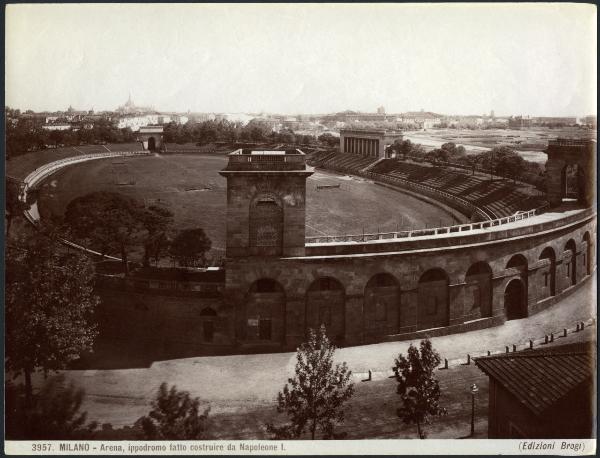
<point>521,59</point>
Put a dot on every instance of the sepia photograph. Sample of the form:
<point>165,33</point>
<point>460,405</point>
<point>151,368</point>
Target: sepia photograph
<point>300,228</point>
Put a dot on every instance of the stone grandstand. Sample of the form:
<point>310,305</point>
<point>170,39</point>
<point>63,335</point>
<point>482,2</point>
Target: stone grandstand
<point>498,198</point>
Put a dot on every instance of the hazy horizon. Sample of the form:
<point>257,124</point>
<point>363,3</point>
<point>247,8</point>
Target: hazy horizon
<point>519,59</point>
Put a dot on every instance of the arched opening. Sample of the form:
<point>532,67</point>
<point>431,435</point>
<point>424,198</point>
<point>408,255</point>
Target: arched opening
<point>266,225</point>
<point>573,183</point>
<point>479,290</point>
<point>520,264</point>
<point>518,261</point>
<point>515,303</point>
<point>326,305</point>
<point>151,144</point>
<point>208,324</point>
<point>381,306</point>
<point>264,318</point>
<point>548,272</point>
<point>587,256</point>
<point>570,262</point>
<point>433,300</point>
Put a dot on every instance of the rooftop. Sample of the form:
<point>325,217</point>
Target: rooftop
<point>151,129</point>
<point>251,152</point>
<point>540,378</point>
<point>249,160</point>
<point>373,130</point>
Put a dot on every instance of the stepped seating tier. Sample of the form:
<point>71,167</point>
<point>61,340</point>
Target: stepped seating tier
<point>500,197</point>
<point>349,163</point>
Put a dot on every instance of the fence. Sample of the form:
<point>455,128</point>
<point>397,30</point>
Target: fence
<point>48,169</point>
<point>459,228</point>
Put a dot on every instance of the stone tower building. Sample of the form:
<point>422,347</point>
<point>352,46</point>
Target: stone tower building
<point>266,196</point>
<point>571,171</point>
<point>266,210</point>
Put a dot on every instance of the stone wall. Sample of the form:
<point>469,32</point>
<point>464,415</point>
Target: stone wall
<point>245,191</point>
<point>163,325</point>
<point>361,299</point>
<point>414,299</point>
<point>562,153</point>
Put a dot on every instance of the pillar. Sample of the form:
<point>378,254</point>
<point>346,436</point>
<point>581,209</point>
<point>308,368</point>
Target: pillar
<point>294,320</point>
<point>354,319</point>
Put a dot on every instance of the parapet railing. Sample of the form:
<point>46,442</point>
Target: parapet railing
<point>488,214</point>
<point>48,169</point>
<point>459,228</point>
<point>245,158</point>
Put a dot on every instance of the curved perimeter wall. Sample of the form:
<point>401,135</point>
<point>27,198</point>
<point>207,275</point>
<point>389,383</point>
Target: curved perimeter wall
<point>422,290</point>
<point>268,303</point>
<point>364,293</point>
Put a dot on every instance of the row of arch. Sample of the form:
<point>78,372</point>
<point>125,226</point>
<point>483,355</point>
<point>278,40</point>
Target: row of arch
<point>382,313</point>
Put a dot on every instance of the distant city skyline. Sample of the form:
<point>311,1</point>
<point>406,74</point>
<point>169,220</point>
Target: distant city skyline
<point>528,59</point>
<point>157,109</point>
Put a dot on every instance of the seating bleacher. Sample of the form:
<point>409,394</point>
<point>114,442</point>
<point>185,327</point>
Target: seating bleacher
<point>500,197</point>
<point>348,163</point>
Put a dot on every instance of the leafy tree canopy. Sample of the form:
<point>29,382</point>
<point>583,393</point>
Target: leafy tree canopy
<point>314,398</point>
<point>109,222</point>
<point>54,413</point>
<point>419,390</point>
<point>190,246</point>
<point>175,416</point>
<point>49,306</point>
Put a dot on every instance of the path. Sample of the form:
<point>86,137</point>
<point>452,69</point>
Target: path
<point>249,382</point>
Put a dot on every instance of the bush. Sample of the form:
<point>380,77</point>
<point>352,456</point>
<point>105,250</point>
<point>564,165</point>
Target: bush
<point>53,414</point>
<point>174,416</point>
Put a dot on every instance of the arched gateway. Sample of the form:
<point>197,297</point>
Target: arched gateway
<point>514,300</point>
<point>151,137</point>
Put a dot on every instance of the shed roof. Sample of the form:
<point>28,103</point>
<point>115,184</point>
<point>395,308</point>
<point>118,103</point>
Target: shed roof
<point>539,378</point>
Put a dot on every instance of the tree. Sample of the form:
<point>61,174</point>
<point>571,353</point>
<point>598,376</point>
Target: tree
<point>437,155</point>
<point>449,147</point>
<point>53,415</point>
<point>49,307</point>
<point>175,416</point>
<point>14,205</point>
<point>189,247</point>
<point>418,388</point>
<point>329,139</point>
<point>287,137</point>
<point>156,220</point>
<point>316,395</point>
<point>511,165</point>
<point>110,222</point>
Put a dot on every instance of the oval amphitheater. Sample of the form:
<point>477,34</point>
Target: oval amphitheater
<point>513,255</point>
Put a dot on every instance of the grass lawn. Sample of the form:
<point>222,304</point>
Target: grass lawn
<point>530,143</point>
<point>190,186</point>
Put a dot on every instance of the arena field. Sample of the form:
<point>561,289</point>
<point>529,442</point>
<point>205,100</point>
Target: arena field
<point>190,186</point>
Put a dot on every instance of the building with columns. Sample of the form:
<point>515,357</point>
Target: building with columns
<point>367,142</point>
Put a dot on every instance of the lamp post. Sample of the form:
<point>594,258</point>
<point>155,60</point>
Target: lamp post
<point>474,390</point>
